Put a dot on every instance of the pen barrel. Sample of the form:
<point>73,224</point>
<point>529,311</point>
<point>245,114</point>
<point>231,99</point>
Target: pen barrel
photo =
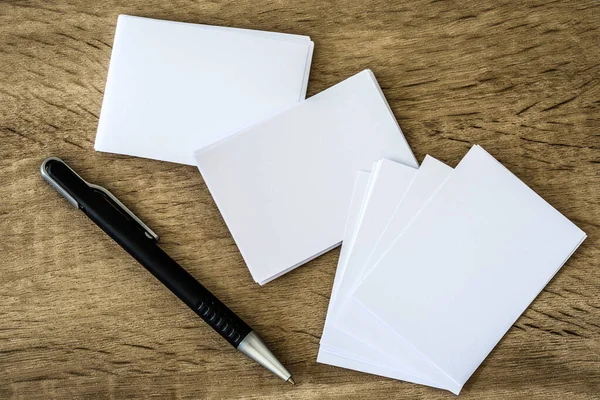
<point>144,249</point>
<point>183,285</point>
<point>216,314</point>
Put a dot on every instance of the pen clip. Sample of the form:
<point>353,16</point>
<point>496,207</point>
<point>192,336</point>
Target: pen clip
<point>108,195</point>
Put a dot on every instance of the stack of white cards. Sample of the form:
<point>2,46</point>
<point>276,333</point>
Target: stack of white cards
<point>436,265</point>
<point>283,185</point>
<point>175,87</point>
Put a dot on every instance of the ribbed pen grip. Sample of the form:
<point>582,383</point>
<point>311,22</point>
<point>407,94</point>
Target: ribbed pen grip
<point>222,319</point>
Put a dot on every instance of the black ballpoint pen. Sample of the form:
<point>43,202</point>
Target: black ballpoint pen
<point>117,221</point>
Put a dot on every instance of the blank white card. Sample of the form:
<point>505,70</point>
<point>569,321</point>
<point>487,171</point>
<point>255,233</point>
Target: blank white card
<point>468,265</point>
<point>174,87</point>
<point>284,185</point>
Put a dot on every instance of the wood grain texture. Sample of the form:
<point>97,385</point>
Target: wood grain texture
<point>80,319</point>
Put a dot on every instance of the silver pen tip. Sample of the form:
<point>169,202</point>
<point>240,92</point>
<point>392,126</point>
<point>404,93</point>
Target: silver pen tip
<point>290,380</point>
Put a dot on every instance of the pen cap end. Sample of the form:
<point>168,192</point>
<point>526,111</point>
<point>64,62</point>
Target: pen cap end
<point>46,174</point>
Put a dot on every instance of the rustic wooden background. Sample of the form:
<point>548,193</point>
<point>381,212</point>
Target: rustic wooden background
<point>80,319</point>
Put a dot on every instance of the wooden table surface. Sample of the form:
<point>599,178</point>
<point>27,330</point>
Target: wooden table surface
<point>80,319</point>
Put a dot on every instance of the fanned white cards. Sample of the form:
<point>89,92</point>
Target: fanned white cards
<point>334,341</point>
<point>284,185</point>
<point>344,351</point>
<point>175,87</point>
<point>427,297</point>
